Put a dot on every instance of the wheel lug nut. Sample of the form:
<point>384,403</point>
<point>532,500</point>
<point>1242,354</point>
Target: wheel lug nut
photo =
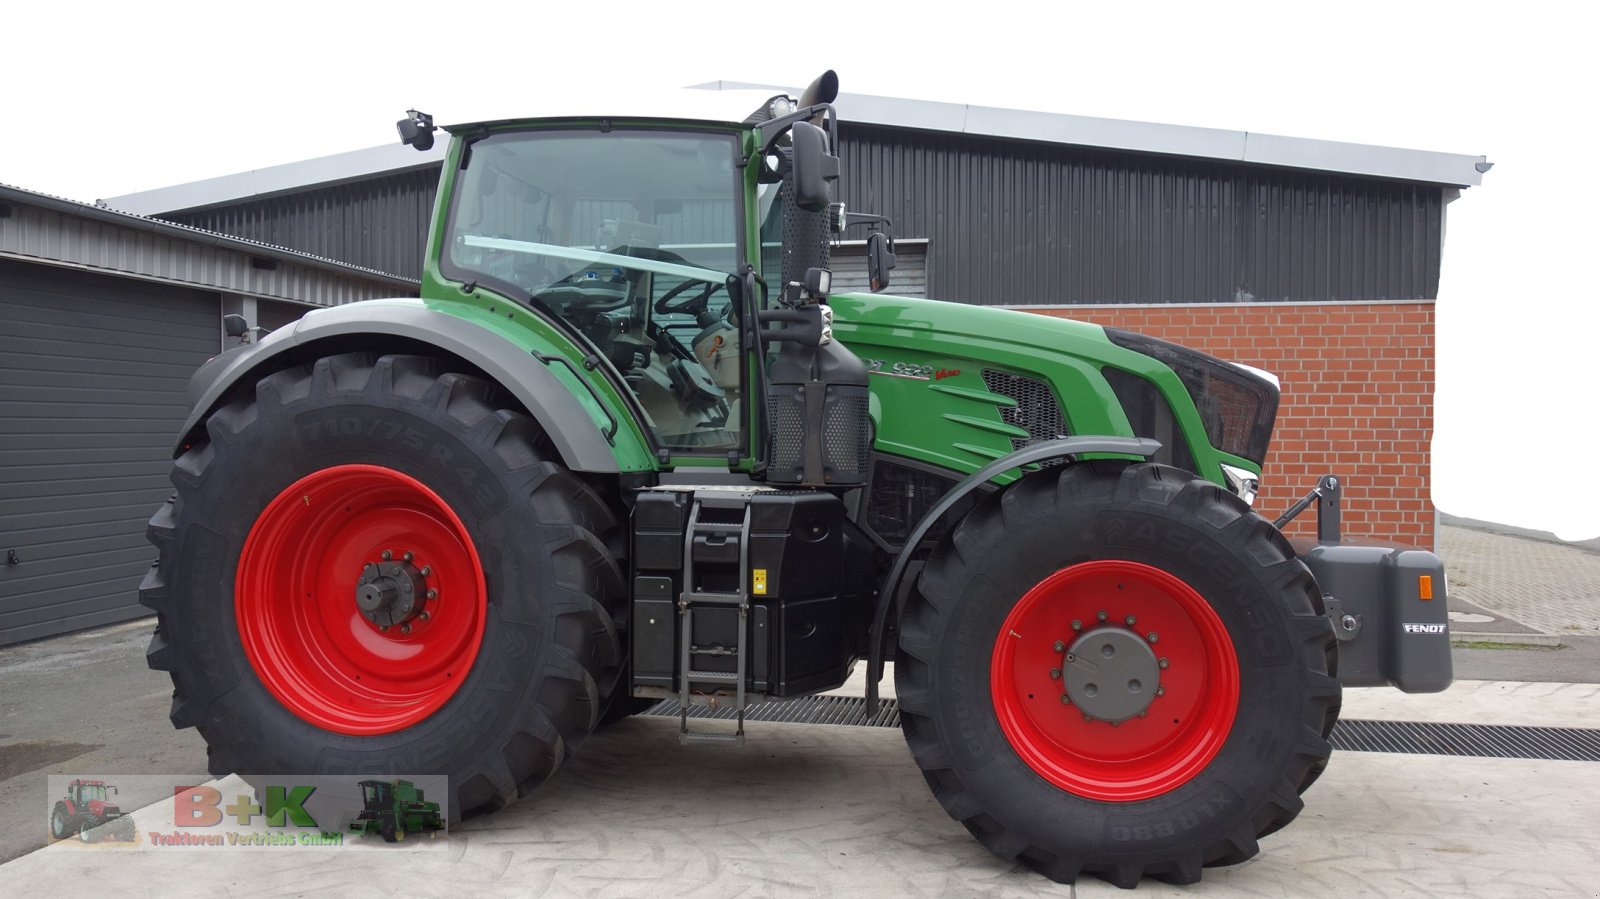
<point>1161,691</point>
<point>424,616</point>
<point>1142,714</point>
<point>426,570</point>
<point>1087,718</point>
<point>407,556</point>
<point>1055,673</point>
<point>1128,621</point>
<point>1065,699</point>
<point>405,628</point>
<point>1101,615</point>
<point>432,594</point>
<point>1163,663</point>
<point>1116,724</point>
<point>384,628</point>
<point>1077,625</point>
<point>387,555</point>
<point>1152,637</point>
<point>1060,646</point>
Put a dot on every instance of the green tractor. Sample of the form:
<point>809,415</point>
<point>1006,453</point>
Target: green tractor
<point>628,445</point>
<point>394,808</point>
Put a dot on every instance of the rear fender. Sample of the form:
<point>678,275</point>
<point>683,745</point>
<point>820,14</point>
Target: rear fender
<point>589,435</point>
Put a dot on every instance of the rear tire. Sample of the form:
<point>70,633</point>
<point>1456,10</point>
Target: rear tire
<point>61,823</point>
<point>1017,741</point>
<point>292,486</point>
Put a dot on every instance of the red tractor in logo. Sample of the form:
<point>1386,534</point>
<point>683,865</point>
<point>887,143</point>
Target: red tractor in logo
<point>88,813</point>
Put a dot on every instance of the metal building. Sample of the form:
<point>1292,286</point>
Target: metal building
<point>103,318</point>
<point>991,206</point>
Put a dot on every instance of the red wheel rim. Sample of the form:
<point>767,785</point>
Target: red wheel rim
<point>304,634</point>
<point>1184,724</point>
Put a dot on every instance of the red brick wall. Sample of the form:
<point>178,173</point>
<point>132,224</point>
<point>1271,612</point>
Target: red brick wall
<point>1357,399</point>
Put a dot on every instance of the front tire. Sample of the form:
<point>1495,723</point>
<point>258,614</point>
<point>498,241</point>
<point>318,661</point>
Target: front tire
<point>1117,669</point>
<point>373,565</point>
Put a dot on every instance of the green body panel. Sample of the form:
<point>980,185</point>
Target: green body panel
<point>929,401</point>
<point>948,419</point>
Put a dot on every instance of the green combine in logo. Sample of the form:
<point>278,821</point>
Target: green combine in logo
<point>393,809</point>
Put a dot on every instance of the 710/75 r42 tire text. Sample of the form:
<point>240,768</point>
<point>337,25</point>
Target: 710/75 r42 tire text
<point>1117,669</point>
<point>372,564</point>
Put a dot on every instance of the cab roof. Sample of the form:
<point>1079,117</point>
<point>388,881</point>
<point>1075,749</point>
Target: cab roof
<point>730,107</point>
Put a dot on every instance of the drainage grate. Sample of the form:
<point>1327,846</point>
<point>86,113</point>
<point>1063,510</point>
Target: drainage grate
<point>1490,741</point>
<point>805,710</point>
<point>1494,741</point>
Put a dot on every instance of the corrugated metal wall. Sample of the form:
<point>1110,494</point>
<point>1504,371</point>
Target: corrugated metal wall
<point>378,223</point>
<point>1016,222</point>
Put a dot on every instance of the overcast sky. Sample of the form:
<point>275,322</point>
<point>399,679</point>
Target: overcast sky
<point>106,101</point>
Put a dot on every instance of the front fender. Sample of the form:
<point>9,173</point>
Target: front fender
<point>1044,451</point>
<point>588,435</point>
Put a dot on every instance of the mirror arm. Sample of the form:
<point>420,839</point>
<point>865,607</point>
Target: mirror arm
<point>871,220</point>
<point>772,129</point>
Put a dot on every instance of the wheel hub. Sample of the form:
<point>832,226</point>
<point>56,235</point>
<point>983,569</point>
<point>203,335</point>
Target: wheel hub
<point>1111,674</point>
<point>390,593</point>
<point>1114,680</point>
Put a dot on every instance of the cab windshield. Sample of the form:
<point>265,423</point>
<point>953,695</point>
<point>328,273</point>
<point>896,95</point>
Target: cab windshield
<point>631,238</point>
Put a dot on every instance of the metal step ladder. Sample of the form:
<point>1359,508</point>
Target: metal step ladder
<point>694,598</point>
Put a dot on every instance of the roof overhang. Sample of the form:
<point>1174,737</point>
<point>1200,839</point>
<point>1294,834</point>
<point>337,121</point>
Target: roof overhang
<point>183,234</point>
<point>731,102</point>
<point>1452,169</point>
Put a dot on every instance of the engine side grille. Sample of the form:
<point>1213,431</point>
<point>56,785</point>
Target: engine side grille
<point>900,496</point>
<point>1036,411</point>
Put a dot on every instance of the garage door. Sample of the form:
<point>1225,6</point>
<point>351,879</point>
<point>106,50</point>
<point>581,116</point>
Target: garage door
<point>93,371</point>
<point>909,278</point>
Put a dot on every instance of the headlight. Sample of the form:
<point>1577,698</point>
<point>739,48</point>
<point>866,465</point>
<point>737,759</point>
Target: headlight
<point>1244,482</point>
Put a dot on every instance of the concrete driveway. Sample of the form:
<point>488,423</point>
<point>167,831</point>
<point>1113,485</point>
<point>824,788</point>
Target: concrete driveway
<point>807,809</point>
<point>833,810</point>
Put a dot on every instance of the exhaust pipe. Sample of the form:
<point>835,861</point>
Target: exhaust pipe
<point>823,90</point>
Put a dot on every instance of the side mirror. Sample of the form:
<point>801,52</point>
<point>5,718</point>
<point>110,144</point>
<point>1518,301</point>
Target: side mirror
<point>235,325</point>
<point>416,130</point>
<point>815,169</point>
<point>880,260</point>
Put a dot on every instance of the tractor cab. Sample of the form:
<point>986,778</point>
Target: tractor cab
<point>688,258</point>
<point>631,238</point>
<point>86,792</point>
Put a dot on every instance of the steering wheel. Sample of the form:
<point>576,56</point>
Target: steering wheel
<point>692,306</point>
